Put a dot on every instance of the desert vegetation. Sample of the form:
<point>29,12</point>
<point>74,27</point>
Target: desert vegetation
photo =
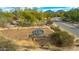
<point>69,16</point>
<point>7,45</point>
<point>62,39</point>
<point>26,17</point>
<point>32,17</point>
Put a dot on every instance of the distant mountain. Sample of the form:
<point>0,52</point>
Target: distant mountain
<point>49,11</point>
<point>55,9</point>
<point>60,11</point>
<point>52,7</point>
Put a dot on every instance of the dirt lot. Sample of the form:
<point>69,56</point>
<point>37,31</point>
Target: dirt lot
<point>21,37</point>
<point>23,33</point>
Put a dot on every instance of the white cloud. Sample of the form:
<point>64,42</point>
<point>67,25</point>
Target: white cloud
<point>39,3</point>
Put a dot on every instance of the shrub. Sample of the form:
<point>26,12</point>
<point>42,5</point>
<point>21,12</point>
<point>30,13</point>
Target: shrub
<point>6,45</point>
<point>55,28</point>
<point>62,39</point>
<point>77,41</point>
<point>2,22</point>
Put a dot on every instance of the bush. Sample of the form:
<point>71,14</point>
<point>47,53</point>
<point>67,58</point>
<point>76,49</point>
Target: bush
<point>77,41</point>
<point>2,22</point>
<point>6,45</point>
<point>62,39</point>
<point>55,28</point>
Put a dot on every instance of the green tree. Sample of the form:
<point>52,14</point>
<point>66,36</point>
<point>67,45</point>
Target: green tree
<point>72,15</point>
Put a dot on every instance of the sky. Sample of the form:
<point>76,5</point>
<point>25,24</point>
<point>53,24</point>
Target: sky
<point>39,3</point>
<point>44,5</point>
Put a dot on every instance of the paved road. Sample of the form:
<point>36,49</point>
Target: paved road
<point>67,27</point>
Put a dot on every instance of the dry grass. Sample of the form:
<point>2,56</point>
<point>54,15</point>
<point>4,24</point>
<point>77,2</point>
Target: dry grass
<point>26,44</point>
<point>22,33</point>
<point>21,38</point>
